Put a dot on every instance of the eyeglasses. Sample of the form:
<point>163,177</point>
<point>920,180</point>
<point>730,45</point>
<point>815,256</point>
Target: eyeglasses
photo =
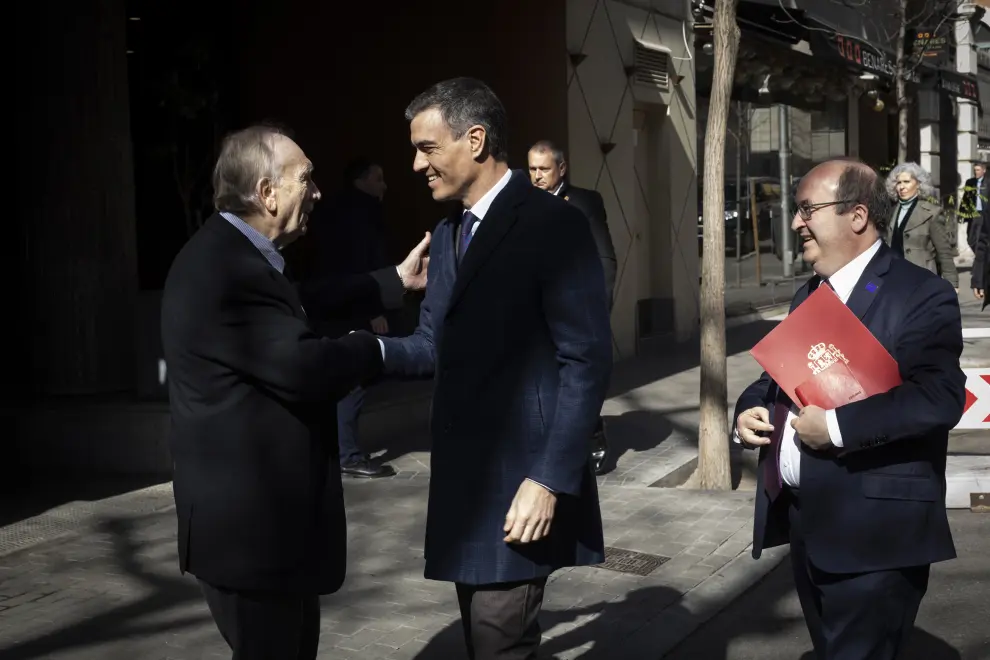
<point>806,209</point>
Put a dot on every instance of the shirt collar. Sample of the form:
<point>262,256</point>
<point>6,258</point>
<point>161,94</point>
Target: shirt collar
<point>481,207</point>
<point>845,279</point>
<point>560,186</point>
<point>259,240</point>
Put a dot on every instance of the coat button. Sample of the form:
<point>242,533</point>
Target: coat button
<point>448,427</point>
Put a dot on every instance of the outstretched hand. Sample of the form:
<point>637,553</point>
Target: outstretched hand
<point>412,271</point>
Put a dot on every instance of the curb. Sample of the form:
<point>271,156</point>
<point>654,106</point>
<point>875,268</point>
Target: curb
<point>680,619</point>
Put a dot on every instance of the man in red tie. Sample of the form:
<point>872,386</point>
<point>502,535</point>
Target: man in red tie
<point>859,491</point>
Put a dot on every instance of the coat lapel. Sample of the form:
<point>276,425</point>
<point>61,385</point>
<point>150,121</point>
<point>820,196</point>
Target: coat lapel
<point>499,219</point>
<point>921,214</point>
<point>452,223</point>
<point>870,283</point>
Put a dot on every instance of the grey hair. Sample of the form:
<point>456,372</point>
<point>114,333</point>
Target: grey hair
<point>463,103</point>
<point>860,184</point>
<point>246,157</point>
<point>544,146</point>
<point>918,173</point>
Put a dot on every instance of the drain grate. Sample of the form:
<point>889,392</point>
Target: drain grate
<point>628,561</point>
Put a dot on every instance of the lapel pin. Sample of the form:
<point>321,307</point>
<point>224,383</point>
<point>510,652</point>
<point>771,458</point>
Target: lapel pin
<point>871,287</point>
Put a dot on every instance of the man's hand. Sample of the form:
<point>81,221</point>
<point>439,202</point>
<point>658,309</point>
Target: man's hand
<point>751,422</point>
<point>978,294</point>
<point>530,513</point>
<point>379,325</point>
<point>412,271</point>
<point>811,427</point>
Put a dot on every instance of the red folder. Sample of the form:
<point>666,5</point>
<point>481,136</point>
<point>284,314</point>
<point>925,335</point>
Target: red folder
<point>822,355</point>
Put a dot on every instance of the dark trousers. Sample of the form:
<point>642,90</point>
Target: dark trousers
<point>348,411</point>
<point>857,615</point>
<point>265,626</point>
<point>501,621</point>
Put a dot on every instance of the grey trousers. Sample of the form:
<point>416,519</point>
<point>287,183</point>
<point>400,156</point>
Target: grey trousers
<point>501,621</point>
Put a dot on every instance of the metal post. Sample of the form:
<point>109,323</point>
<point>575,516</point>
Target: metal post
<point>786,247</point>
<point>739,209</point>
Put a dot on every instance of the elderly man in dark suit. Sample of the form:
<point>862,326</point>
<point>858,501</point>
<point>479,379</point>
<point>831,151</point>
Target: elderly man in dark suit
<point>859,492</point>
<point>548,171</point>
<point>515,330</point>
<point>251,387</point>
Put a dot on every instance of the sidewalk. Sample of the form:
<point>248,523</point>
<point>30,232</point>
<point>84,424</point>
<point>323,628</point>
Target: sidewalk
<point>100,579</point>
<point>113,590</point>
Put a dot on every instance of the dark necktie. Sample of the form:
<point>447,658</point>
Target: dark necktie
<point>468,220</point>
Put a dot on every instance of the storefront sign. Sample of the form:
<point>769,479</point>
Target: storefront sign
<point>960,86</point>
<point>857,54</point>
<point>931,46</point>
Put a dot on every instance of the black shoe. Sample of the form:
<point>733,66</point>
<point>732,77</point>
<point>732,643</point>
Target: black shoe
<point>599,455</point>
<point>365,468</point>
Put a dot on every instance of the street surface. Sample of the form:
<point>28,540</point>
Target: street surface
<point>84,575</point>
<point>766,623</point>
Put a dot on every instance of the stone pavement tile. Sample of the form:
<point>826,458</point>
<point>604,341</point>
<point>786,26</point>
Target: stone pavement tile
<point>116,586</point>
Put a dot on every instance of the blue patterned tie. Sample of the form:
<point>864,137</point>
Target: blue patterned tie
<point>468,221</point>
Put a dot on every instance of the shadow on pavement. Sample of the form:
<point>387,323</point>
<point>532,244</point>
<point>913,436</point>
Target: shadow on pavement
<point>604,637</point>
<point>133,620</point>
<point>26,496</point>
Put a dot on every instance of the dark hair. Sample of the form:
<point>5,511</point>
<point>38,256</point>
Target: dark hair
<point>546,145</point>
<point>863,185</point>
<point>246,157</point>
<point>357,168</point>
<point>463,103</point>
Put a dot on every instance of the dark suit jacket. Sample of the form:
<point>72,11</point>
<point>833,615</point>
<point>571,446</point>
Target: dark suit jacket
<point>253,439</point>
<point>879,503</point>
<point>591,204</point>
<point>520,345</point>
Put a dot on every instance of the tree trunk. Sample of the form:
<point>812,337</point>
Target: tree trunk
<point>901,84</point>
<point>713,431</point>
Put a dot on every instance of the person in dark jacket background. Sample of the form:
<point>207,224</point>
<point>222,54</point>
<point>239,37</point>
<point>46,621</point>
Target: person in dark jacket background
<point>981,264</point>
<point>548,171</point>
<point>348,235</point>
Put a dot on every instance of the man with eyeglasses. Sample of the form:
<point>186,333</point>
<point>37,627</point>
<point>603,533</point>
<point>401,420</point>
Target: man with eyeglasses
<point>860,494</point>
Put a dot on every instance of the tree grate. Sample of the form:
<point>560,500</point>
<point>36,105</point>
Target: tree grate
<point>628,561</point>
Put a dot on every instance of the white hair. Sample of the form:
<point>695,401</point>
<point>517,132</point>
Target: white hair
<point>918,173</point>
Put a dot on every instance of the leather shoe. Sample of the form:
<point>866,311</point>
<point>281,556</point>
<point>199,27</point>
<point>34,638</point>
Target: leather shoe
<point>365,468</point>
<point>599,453</point>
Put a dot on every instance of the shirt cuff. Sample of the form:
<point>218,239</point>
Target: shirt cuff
<point>541,485</point>
<point>832,421</point>
<point>382,345</point>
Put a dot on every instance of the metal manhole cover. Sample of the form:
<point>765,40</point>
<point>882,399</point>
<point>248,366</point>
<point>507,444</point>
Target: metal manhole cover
<point>627,561</point>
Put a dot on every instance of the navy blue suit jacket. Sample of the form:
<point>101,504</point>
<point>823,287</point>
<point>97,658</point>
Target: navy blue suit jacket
<point>519,343</point>
<point>879,502</point>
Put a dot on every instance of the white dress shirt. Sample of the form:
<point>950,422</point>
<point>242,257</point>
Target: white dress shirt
<point>843,282</point>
